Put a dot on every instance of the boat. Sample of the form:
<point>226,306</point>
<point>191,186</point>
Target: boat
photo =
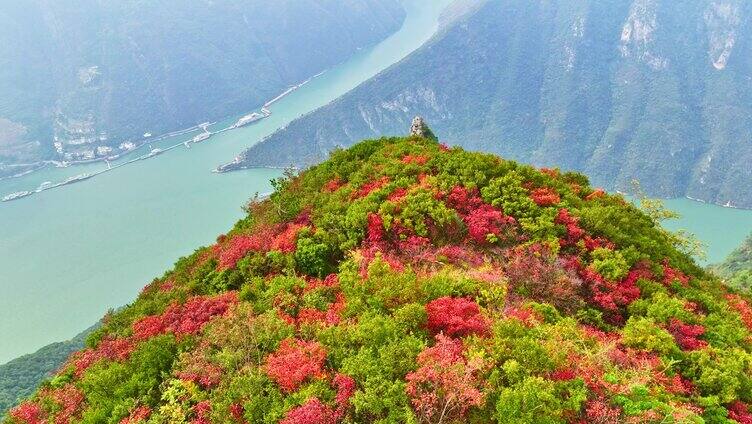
<point>201,137</point>
<point>77,178</point>
<point>155,152</point>
<point>16,195</point>
<point>247,119</point>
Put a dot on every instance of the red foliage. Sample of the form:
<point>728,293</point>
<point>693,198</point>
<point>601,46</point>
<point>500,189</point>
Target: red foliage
<point>294,362</point>
<point>188,318</point>
<point>535,272</point>
<point>286,241</point>
<point>526,315</point>
<point>398,194</point>
<point>487,220</point>
<point>600,412</point>
<point>686,335</point>
<point>202,411</point>
<point>311,412</point>
<point>563,375</point>
<point>551,172</point>
<point>462,200</point>
<point>70,400</point>
<point>742,307</point>
<point>596,194</point>
<point>236,412</point>
<point>370,187</point>
<point>455,317</point>
<point>202,372</point>
<point>28,413</point>
<point>574,232</point>
<point>598,242</point>
<point>375,230</point>
<point>138,415</point>
<point>239,246</point>
<point>416,159</point>
<point>445,384</point>
<point>443,147</point>
<point>333,185</point>
<point>333,314</point>
<point>545,196</point>
<point>739,412</point>
<point>111,349</point>
<point>670,275</point>
<point>608,295</point>
<point>345,386</point>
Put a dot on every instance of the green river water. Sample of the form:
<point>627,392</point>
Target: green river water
<point>69,254</point>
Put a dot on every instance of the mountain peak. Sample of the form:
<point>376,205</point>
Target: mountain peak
<point>419,128</point>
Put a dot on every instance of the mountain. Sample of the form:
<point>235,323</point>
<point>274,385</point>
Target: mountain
<point>736,270</point>
<point>20,377</point>
<point>405,281</point>
<point>93,74</point>
<point>654,90</point>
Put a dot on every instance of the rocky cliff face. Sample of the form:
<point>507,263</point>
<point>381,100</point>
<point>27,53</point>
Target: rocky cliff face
<point>80,78</point>
<point>653,90</point>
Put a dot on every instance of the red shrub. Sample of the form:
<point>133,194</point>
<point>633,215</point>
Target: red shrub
<point>111,349</point>
<point>295,362</point>
<point>739,412</point>
<point>239,246</point>
<point>534,272</point>
<point>416,159</point>
<point>236,412</point>
<point>686,335</point>
<point>487,220</point>
<point>28,413</point>
<point>574,232</point>
<point>596,194</point>
<point>370,187</point>
<point>375,230</point>
<point>545,196</point>
<point>70,400</point>
<point>286,241</point>
<point>446,384</point>
<point>600,412</point>
<point>563,375</point>
<point>138,415</point>
<point>202,412</point>
<point>670,275</point>
<point>345,386</point>
<point>398,194</point>
<point>202,372</point>
<point>185,319</point>
<point>333,185</point>
<point>462,200</point>
<point>741,307</point>
<point>455,317</point>
<point>311,412</point>
<point>526,315</point>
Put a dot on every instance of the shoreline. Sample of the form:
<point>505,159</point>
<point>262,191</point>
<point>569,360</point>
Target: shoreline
<point>154,152</point>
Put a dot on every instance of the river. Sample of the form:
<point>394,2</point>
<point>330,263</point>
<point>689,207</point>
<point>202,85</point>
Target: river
<point>69,254</point>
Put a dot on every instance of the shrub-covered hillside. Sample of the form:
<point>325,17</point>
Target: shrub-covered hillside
<point>404,281</point>
<point>736,270</point>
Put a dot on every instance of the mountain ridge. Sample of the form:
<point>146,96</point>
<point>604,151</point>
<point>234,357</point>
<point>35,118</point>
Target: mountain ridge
<point>594,88</point>
<point>403,280</point>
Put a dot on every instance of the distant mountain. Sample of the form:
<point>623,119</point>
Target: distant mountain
<point>736,270</point>
<point>21,376</point>
<point>655,90</point>
<point>92,74</point>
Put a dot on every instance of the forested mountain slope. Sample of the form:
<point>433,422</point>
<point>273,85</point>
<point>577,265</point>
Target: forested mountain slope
<point>20,377</point>
<point>92,74</point>
<point>737,268</point>
<point>655,90</point>
<point>405,281</point>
